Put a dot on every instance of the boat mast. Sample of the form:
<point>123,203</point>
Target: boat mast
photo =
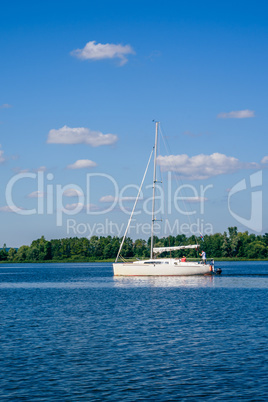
<point>154,181</point>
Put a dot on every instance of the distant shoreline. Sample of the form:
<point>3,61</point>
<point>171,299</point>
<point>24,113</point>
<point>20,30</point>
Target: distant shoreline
<point>234,246</point>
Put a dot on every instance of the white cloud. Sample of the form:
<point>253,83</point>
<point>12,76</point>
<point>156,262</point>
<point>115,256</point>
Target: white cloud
<point>111,198</point>
<point>76,205</point>
<point>41,169</point>
<point>20,170</point>
<point>264,159</point>
<point>202,166</point>
<point>99,51</point>
<point>195,199</point>
<point>72,192</point>
<point>6,208</point>
<point>81,207</point>
<point>108,198</point>
<point>82,164</point>
<point>5,106</point>
<point>239,114</point>
<point>80,135</point>
<point>36,194</point>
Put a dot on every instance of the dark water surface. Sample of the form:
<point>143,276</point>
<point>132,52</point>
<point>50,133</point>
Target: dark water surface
<point>72,332</point>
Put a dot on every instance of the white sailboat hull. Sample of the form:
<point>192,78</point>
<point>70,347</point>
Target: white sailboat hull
<point>161,268</point>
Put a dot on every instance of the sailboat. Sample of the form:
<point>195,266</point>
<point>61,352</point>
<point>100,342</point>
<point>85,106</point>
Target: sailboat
<point>159,266</point>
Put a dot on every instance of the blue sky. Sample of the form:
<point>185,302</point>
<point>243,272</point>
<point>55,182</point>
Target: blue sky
<point>80,85</point>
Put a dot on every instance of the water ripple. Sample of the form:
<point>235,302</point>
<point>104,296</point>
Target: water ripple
<point>78,334</point>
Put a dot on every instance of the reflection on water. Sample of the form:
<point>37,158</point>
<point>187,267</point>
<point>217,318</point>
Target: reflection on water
<point>193,281</point>
<point>132,282</point>
<point>165,281</point>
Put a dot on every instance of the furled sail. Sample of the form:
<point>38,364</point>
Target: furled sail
<point>158,250</point>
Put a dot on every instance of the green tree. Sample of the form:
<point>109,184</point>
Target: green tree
<point>225,247</point>
<point>214,246</point>
<point>265,239</point>
<point>3,253</point>
<point>140,247</point>
<point>256,250</point>
<point>108,251</point>
<point>23,253</point>
<point>12,254</point>
<point>40,250</point>
<point>233,241</point>
<point>127,249</point>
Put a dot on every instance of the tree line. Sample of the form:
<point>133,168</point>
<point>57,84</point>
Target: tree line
<point>233,244</point>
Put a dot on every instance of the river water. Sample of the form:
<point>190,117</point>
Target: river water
<point>73,332</point>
